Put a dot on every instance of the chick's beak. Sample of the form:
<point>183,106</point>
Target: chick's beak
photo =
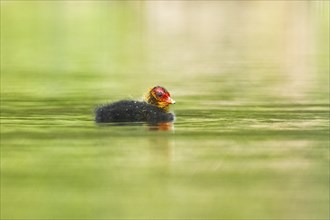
<point>170,100</point>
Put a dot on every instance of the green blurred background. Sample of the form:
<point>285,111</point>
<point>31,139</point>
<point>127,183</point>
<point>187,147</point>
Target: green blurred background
<point>51,42</point>
<point>251,81</point>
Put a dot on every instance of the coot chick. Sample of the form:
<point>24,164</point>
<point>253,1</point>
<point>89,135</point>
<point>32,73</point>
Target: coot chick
<point>154,109</point>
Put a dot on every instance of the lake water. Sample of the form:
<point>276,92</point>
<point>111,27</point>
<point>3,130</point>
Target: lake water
<point>251,84</point>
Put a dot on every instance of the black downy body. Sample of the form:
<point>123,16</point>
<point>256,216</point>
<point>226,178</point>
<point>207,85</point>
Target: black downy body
<point>132,111</point>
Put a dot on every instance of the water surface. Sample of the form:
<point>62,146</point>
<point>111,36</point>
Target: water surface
<point>251,136</point>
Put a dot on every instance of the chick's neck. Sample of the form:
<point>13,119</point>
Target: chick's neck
<point>153,101</point>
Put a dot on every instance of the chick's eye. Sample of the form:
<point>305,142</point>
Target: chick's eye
<point>159,94</point>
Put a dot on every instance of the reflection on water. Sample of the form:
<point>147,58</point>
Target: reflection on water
<point>251,81</point>
<point>161,126</point>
